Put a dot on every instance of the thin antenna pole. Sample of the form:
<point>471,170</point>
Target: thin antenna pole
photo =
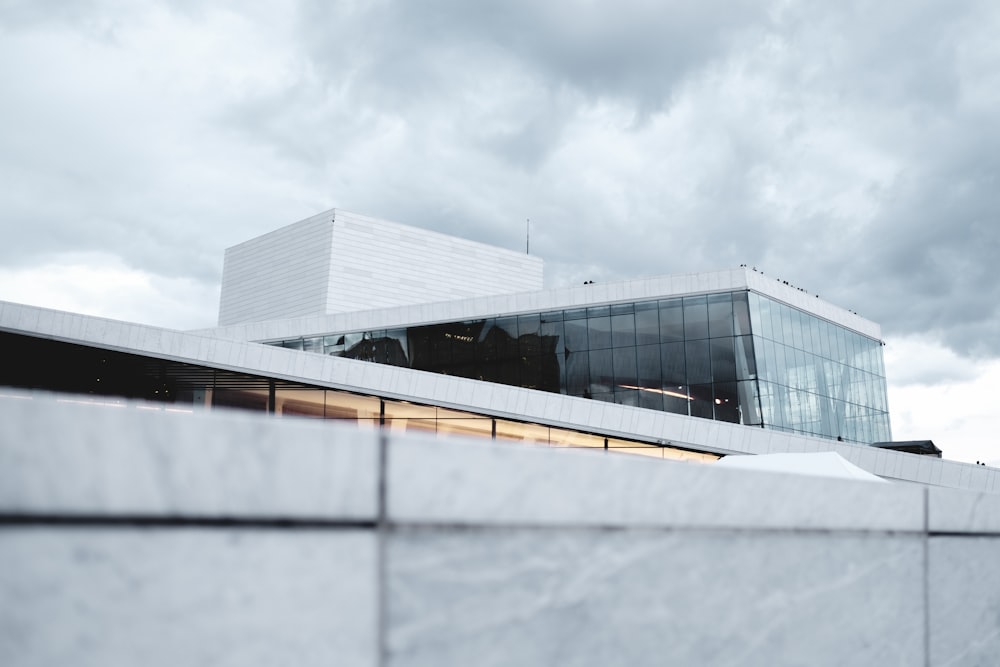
<point>527,237</point>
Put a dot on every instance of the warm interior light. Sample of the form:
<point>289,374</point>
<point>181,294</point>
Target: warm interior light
<point>665,392</point>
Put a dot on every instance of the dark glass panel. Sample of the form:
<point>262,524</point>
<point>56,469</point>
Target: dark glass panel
<point>723,360</point>
<point>599,332</point>
<point>647,323</point>
<point>625,368</point>
<point>627,397</point>
<point>623,330</point>
<point>505,337</point>
<point>671,321</point>
<point>605,396</point>
<point>677,399</point>
<point>698,361</point>
<point>702,401</point>
<point>672,362</point>
<point>576,335</point>
<point>529,340</point>
<point>577,314</point>
<point>394,347</point>
<point>727,403</point>
<point>651,400</point>
<point>648,365</point>
<point>741,314</point>
<point>552,340</point>
<point>695,317</point>
<point>577,372</point>
<point>720,315</point>
<point>532,373</point>
<point>601,371</point>
<point>464,340</point>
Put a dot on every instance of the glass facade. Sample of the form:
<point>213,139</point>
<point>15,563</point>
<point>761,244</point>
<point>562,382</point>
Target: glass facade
<point>109,377</point>
<point>816,377</point>
<point>694,355</point>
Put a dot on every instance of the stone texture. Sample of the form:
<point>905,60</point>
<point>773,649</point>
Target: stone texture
<point>497,484</point>
<point>582,597</point>
<point>60,458</point>
<point>89,596</point>
<point>964,598</point>
<point>960,511</point>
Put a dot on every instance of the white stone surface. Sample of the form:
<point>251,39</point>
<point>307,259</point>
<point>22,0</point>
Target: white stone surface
<point>587,597</point>
<point>284,273</point>
<point>116,596</point>
<point>64,458</point>
<point>497,484</point>
<point>339,262</point>
<point>964,599</point>
<point>960,511</point>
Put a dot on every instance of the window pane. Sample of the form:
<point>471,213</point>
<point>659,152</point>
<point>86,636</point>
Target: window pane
<point>727,404</point>
<point>673,365</point>
<point>648,365</point>
<point>749,408</point>
<point>701,401</point>
<point>577,372</point>
<point>576,335</point>
<point>647,324</point>
<point>623,330</point>
<point>508,430</point>
<point>698,361</point>
<point>695,317</point>
<point>671,321</point>
<point>746,366</point>
<point>741,314</point>
<point>625,368</point>
<point>601,372</point>
<point>723,360</point>
<point>599,332</point>
<point>720,315</point>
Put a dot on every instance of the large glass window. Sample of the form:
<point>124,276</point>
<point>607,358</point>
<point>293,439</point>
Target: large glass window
<point>732,356</point>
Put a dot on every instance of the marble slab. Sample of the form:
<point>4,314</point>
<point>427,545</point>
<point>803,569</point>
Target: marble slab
<point>187,597</point>
<point>502,484</point>
<point>639,597</point>
<point>960,511</point>
<point>964,597</point>
<point>66,458</point>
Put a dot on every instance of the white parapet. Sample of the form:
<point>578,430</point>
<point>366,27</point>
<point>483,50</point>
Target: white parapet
<point>337,262</point>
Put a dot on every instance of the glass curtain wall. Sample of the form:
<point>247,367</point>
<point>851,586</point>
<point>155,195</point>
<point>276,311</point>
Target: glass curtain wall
<point>109,377</point>
<point>735,356</point>
<point>816,377</point>
<point>687,355</point>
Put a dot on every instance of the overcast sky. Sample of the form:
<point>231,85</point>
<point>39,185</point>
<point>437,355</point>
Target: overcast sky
<point>852,149</point>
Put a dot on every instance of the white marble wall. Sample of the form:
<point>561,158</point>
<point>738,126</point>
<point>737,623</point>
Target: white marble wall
<point>338,262</point>
<point>133,536</point>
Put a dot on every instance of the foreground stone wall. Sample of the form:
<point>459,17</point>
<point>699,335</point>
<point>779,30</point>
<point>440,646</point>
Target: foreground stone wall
<point>131,536</point>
